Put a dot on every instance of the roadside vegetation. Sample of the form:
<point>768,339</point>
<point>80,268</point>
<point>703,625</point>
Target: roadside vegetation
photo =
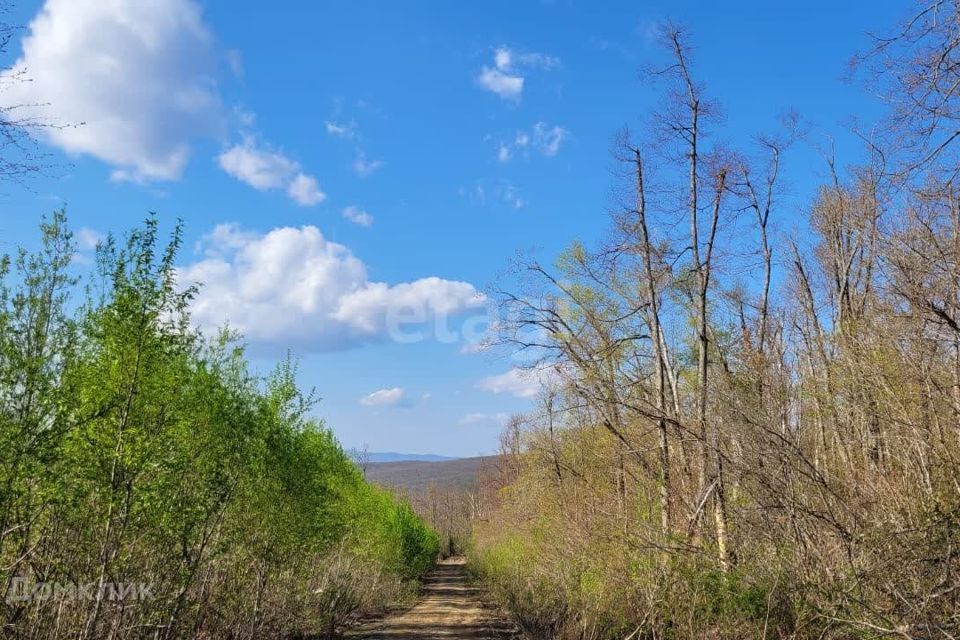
<point>143,459</point>
<point>752,425</point>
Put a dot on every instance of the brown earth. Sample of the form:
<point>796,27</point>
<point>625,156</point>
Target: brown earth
<point>449,608</point>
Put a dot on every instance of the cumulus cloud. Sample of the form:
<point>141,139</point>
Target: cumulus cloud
<point>520,383</point>
<point>305,190</point>
<point>505,78</point>
<point>139,76</point>
<point>264,169</point>
<point>542,138</point>
<point>356,215</point>
<point>259,168</point>
<point>292,286</point>
<point>503,84</point>
<point>376,304</point>
<point>384,398</point>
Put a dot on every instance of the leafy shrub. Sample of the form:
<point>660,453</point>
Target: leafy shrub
<point>135,449</point>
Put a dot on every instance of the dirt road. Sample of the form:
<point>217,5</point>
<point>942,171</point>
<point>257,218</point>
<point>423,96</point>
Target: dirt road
<point>449,608</point>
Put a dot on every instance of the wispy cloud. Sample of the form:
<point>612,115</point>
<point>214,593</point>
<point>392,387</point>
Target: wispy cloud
<point>344,127</point>
<point>520,383</point>
<point>479,418</point>
<point>392,397</point>
<point>614,46</point>
<point>347,129</point>
<point>541,138</point>
<point>234,60</point>
<point>650,31</point>
<point>365,167</point>
<point>503,192</point>
<point>510,194</point>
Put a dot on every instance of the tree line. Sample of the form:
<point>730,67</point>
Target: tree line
<point>152,486</point>
<point>746,434</point>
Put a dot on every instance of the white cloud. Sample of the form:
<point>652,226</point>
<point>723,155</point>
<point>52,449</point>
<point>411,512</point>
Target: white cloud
<point>384,398</point>
<point>521,383</point>
<point>537,61</point>
<point>305,190</point>
<point>264,169</point>
<point>292,286</point>
<point>548,139</point>
<point>139,76</point>
<point>505,78</point>
<point>364,167</point>
<point>498,419</point>
<point>357,215</point>
<point>542,138</point>
<point>259,168</point>
<point>502,58</point>
<point>347,130</point>
<point>87,238</point>
<point>224,240</point>
<point>503,84</point>
<point>371,307</point>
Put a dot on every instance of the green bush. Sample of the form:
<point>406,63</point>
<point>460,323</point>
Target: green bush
<point>135,449</point>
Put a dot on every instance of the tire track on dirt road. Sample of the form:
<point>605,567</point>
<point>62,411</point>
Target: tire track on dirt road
<point>449,608</point>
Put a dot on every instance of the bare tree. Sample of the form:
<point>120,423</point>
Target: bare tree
<point>20,154</point>
<point>916,70</point>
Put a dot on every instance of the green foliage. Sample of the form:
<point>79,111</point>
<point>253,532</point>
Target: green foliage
<point>134,450</point>
<point>726,595</point>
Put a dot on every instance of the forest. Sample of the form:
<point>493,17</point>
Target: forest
<point>153,486</point>
<point>749,431</point>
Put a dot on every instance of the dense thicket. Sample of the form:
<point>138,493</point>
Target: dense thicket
<point>748,437</point>
<point>135,452</point>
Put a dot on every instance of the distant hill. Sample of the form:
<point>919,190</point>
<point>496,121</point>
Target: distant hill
<point>393,456</point>
<point>416,475</point>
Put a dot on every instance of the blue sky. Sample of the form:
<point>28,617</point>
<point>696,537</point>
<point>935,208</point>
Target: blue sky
<point>337,164</point>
